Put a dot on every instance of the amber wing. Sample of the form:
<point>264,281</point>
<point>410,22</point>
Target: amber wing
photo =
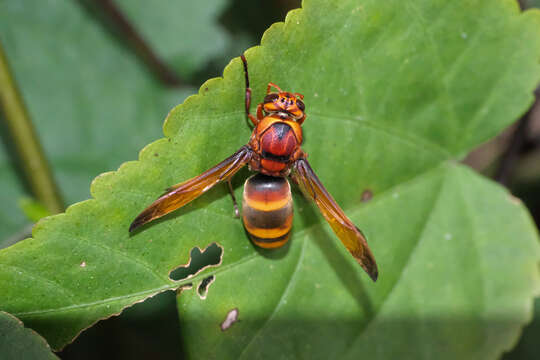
<point>348,233</point>
<point>181,194</point>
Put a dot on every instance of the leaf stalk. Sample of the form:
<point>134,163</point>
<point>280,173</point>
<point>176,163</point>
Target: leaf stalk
<point>21,132</point>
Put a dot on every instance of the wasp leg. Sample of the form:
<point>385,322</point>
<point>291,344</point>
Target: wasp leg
<point>260,114</point>
<point>248,104</point>
<point>253,119</point>
<point>235,205</point>
<point>248,92</point>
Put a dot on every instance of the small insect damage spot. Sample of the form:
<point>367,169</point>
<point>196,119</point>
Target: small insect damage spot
<point>230,319</point>
<point>366,195</point>
<point>202,290</point>
<point>83,264</point>
<point>199,260</point>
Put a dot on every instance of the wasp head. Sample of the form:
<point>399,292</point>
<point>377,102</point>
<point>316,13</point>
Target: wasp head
<point>285,102</point>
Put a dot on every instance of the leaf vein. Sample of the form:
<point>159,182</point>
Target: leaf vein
<point>405,137</point>
<point>39,279</point>
<point>405,266</point>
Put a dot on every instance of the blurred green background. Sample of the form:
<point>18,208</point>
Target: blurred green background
<point>93,72</point>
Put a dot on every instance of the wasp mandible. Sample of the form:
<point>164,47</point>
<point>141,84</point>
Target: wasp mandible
<point>274,152</point>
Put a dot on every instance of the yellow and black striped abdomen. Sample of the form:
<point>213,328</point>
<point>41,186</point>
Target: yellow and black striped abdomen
<point>267,210</point>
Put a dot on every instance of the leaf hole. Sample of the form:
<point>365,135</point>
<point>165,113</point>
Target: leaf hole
<point>199,260</point>
<point>202,290</point>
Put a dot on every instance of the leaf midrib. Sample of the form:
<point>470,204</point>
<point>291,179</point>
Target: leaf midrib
<point>409,138</point>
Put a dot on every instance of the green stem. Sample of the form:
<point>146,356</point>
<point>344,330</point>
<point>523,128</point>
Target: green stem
<point>20,130</point>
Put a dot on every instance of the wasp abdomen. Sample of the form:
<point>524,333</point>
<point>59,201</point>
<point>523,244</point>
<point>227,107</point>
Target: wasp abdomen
<point>267,210</point>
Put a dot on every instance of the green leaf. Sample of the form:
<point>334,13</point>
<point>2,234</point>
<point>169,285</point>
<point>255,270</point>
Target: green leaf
<point>394,92</point>
<point>17,342</point>
<point>457,274</point>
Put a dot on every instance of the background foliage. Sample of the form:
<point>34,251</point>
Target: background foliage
<point>114,94</point>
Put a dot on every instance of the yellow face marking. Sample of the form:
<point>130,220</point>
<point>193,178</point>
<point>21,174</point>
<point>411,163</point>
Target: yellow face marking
<point>296,113</point>
<point>271,107</point>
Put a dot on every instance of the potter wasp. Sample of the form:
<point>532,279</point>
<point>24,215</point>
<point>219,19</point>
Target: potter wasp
<point>274,152</point>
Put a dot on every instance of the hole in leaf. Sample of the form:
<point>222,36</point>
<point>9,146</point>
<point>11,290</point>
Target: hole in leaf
<point>199,260</point>
<point>202,290</point>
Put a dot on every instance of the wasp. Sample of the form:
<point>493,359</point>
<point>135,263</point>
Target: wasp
<point>274,152</point>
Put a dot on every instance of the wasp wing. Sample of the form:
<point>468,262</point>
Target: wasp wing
<point>181,194</point>
<point>348,233</point>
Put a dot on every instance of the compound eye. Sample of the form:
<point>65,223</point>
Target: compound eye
<point>270,98</point>
<point>300,104</point>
